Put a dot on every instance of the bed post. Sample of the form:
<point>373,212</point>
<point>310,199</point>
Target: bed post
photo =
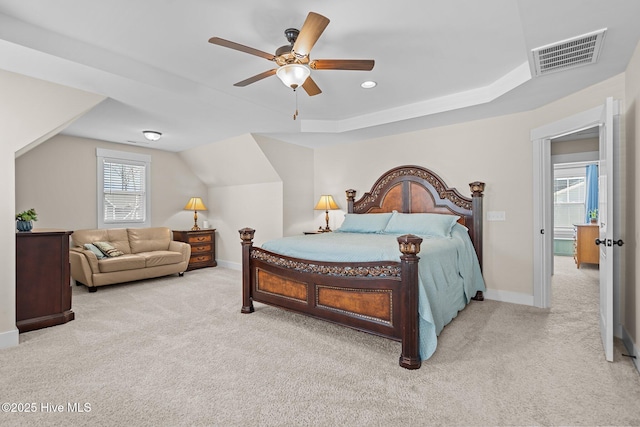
<point>476,205</point>
<point>409,246</point>
<point>477,188</point>
<point>351,197</point>
<point>246,234</point>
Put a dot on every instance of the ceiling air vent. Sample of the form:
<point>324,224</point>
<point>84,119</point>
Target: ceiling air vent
<point>566,54</point>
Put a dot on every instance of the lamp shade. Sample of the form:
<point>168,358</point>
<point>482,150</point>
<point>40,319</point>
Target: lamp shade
<point>293,75</point>
<point>195,204</point>
<point>326,203</point>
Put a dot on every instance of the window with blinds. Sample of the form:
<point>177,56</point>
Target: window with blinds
<point>568,201</point>
<point>569,192</point>
<point>123,189</point>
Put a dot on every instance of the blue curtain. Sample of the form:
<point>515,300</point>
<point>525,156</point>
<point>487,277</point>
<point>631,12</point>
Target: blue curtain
<point>591,188</point>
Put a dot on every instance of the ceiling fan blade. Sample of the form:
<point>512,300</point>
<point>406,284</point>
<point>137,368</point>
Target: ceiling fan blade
<point>256,78</point>
<point>342,64</point>
<point>241,48</point>
<point>310,32</point>
<point>311,87</point>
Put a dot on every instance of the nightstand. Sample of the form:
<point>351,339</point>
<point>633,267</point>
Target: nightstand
<point>316,232</point>
<point>203,246</point>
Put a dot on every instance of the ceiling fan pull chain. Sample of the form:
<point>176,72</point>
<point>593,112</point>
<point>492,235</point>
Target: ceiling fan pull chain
<point>296,113</point>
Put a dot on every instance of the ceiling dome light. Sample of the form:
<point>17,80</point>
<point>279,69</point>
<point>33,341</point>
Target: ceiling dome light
<point>368,84</point>
<point>151,135</point>
<point>293,75</point>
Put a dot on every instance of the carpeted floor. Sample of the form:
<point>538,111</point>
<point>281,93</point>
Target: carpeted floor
<point>176,351</point>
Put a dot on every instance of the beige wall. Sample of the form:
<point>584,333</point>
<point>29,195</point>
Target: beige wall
<point>30,110</point>
<point>256,182</point>
<point>294,165</point>
<point>631,291</point>
<point>58,179</point>
<point>497,151</point>
<point>257,206</point>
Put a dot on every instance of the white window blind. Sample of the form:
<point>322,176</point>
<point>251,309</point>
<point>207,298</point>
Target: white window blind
<point>569,186</point>
<point>123,189</point>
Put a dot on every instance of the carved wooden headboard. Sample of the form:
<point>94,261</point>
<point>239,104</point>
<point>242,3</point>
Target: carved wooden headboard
<point>414,189</point>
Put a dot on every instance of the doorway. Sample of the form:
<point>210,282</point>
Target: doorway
<point>575,264</point>
<point>542,194</point>
<point>574,159</point>
<point>606,119</point>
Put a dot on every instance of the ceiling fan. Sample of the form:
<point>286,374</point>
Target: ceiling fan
<point>293,60</point>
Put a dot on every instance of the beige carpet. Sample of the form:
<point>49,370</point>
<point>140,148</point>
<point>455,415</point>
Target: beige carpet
<point>177,351</point>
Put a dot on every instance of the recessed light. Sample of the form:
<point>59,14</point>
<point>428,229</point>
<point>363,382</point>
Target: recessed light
<point>368,84</point>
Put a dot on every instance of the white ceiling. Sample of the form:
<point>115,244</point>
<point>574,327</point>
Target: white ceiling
<point>437,62</point>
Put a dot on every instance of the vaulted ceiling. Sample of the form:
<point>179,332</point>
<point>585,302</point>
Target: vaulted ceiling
<point>436,63</point>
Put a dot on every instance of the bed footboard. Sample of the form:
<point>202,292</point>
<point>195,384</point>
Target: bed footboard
<point>380,298</point>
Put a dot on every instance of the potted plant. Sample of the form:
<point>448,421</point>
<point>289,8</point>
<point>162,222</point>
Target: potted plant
<point>593,216</point>
<point>24,219</point>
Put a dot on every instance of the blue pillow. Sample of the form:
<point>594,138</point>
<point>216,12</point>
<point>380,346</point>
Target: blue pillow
<point>365,223</point>
<point>95,250</point>
<point>422,224</point>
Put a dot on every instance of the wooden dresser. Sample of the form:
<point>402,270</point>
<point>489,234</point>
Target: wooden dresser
<point>203,246</point>
<point>585,249</point>
<point>43,286</point>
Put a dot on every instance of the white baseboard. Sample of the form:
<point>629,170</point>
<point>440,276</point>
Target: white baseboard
<point>506,296</point>
<point>229,264</point>
<point>9,339</point>
<point>631,347</point>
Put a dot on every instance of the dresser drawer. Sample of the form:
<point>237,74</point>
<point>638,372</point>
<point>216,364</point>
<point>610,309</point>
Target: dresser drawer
<point>195,249</point>
<point>200,238</point>
<point>201,258</point>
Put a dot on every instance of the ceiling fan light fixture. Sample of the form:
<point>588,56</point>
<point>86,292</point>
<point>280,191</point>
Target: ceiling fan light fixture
<point>151,135</point>
<point>293,75</point>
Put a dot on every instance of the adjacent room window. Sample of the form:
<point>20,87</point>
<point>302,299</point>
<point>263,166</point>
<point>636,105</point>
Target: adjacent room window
<point>123,189</point>
<point>569,198</point>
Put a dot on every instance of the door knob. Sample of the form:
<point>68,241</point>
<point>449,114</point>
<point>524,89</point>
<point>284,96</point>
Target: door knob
<point>618,242</point>
<point>600,242</point>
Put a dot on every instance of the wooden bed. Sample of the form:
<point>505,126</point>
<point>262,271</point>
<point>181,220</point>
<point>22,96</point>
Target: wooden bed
<point>380,298</point>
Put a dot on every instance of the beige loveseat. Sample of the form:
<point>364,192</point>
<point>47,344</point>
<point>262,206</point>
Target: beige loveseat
<point>146,253</point>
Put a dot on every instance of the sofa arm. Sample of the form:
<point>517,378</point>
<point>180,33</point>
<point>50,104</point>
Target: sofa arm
<point>83,264</point>
<point>183,248</point>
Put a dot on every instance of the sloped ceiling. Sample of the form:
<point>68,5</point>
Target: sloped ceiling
<point>243,163</point>
<point>33,110</point>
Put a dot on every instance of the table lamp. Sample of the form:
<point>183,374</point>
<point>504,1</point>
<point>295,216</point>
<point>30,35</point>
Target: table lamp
<point>326,203</point>
<point>195,204</point>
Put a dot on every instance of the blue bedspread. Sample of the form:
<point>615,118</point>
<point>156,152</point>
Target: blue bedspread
<point>449,271</point>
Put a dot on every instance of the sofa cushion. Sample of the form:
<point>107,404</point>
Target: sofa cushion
<point>121,263</point>
<point>155,258</point>
<point>116,236</point>
<point>149,239</point>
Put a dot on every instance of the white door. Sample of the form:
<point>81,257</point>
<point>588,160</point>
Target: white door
<point>606,218</point>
